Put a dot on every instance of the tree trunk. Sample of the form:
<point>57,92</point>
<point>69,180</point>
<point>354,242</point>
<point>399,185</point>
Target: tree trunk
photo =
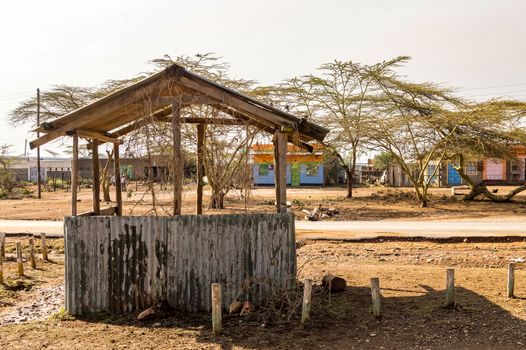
<point>481,189</point>
<point>350,172</point>
<point>350,178</point>
<point>105,180</point>
<point>217,200</point>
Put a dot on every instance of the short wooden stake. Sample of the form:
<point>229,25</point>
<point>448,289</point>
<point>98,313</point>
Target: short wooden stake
<point>2,245</point>
<point>511,279</point>
<point>376,297</point>
<point>450,287</point>
<point>32,254</point>
<point>43,246</point>
<point>216,309</point>
<point>19,261</point>
<point>307,292</point>
<point>1,271</point>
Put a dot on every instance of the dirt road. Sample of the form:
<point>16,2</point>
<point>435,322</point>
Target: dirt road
<point>335,230</point>
<point>50,228</point>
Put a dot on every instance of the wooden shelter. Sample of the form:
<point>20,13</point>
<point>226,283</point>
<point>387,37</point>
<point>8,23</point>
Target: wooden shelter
<point>160,98</point>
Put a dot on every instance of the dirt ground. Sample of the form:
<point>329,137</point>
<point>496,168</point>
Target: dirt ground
<point>375,203</point>
<point>412,278</point>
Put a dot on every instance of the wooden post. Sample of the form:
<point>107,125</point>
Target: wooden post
<point>376,297</point>
<point>307,291</point>
<point>43,246</point>
<point>450,287</point>
<point>1,270</point>
<point>511,280</point>
<point>96,176</point>
<point>216,309</point>
<point>280,170</point>
<point>117,174</point>
<point>39,179</point>
<point>200,167</point>
<point>74,175</point>
<point>32,254</point>
<point>2,245</point>
<point>19,261</point>
<point>177,166</point>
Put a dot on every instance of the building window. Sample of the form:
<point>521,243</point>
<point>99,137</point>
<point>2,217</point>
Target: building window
<point>471,168</point>
<point>263,169</point>
<point>515,166</point>
<point>312,169</point>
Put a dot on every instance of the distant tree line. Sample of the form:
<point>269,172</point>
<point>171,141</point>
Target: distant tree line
<point>366,107</point>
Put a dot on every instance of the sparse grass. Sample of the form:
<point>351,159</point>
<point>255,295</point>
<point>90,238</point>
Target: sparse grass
<point>62,315</point>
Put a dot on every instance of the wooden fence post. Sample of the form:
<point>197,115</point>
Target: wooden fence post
<point>19,261</point>
<point>450,287</point>
<point>216,309</point>
<point>43,246</point>
<point>2,245</point>
<point>32,254</point>
<point>307,291</point>
<point>1,270</point>
<point>376,297</point>
<point>511,279</point>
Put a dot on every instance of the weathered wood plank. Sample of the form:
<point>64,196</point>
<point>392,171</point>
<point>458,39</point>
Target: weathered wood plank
<point>123,264</point>
<point>280,170</point>
<point>117,174</point>
<point>96,177</point>
<point>74,175</point>
<point>200,168</point>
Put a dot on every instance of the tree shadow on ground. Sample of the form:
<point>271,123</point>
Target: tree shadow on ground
<point>344,321</point>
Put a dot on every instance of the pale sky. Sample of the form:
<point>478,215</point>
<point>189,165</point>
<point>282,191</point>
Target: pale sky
<point>477,46</point>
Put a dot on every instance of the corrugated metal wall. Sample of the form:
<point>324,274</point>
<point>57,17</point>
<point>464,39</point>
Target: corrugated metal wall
<point>124,264</point>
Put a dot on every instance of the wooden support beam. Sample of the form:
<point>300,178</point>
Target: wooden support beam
<point>177,166</point>
<point>96,176</point>
<point>159,116</point>
<point>200,167</point>
<point>185,100</point>
<point>118,184</point>
<point>74,175</point>
<point>215,121</point>
<point>222,96</point>
<point>100,109</point>
<point>280,170</point>
<point>258,111</point>
<point>245,119</point>
<point>96,136</point>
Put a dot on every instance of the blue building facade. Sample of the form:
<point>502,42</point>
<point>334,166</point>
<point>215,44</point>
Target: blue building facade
<point>310,174</point>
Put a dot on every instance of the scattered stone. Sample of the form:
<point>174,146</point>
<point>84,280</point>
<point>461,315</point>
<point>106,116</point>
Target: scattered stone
<point>46,302</point>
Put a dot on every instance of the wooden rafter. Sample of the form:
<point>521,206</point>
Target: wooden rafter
<point>90,134</point>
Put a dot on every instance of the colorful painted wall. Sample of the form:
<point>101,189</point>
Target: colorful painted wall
<point>303,168</point>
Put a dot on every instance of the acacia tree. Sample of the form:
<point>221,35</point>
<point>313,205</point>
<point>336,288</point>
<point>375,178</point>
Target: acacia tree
<point>492,130</point>
<point>340,98</point>
<point>413,123</point>
<point>7,180</point>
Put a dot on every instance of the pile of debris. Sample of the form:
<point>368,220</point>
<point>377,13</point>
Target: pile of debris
<point>320,213</point>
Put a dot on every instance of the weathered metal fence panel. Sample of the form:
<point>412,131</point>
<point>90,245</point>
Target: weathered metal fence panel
<point>124,264</point>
